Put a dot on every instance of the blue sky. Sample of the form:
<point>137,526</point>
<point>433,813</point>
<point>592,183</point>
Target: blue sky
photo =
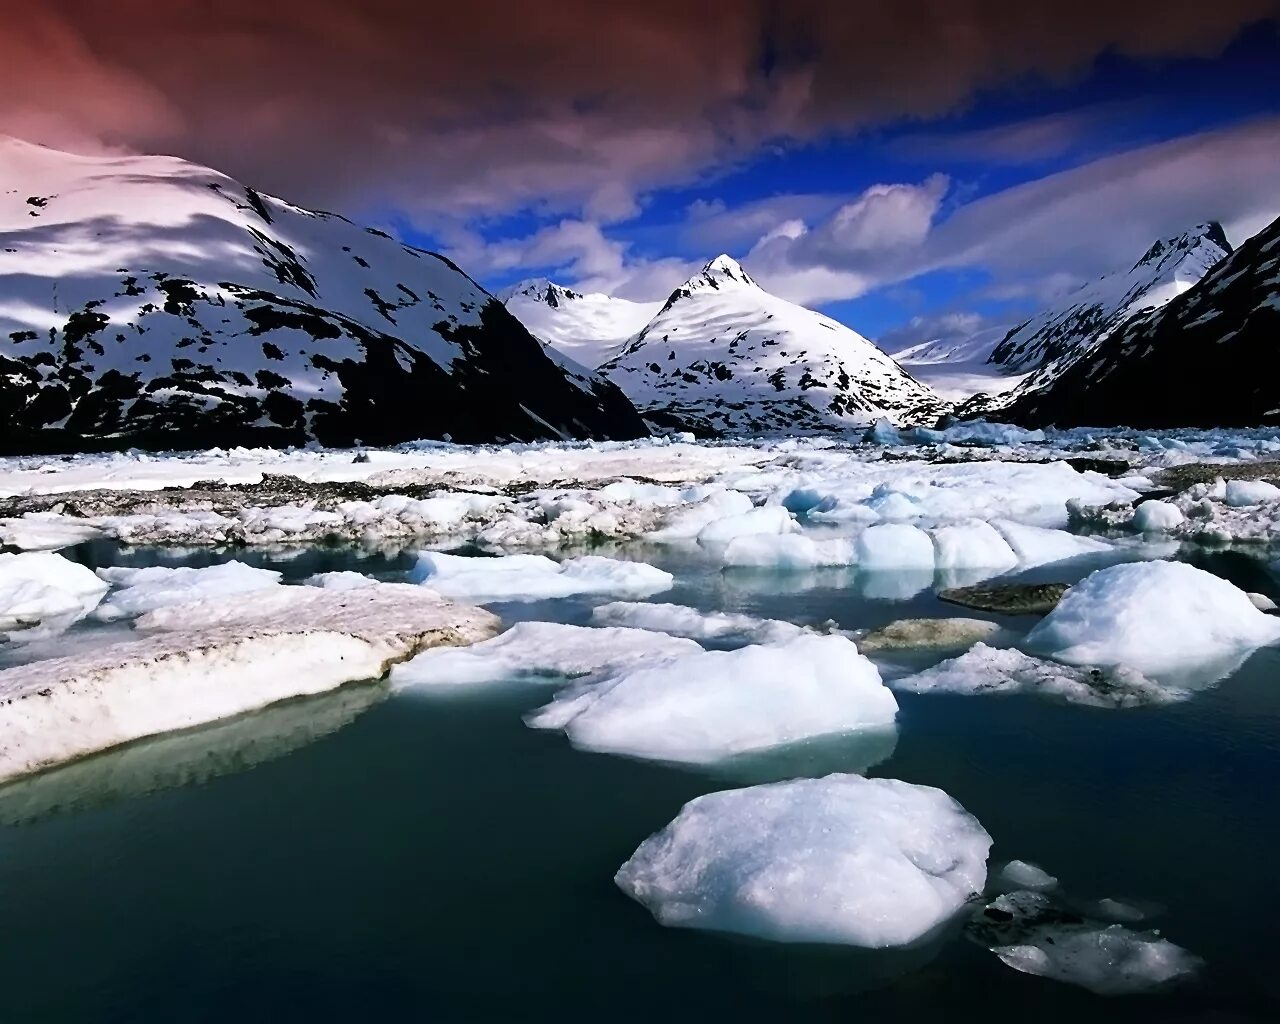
<point>1156,122</point>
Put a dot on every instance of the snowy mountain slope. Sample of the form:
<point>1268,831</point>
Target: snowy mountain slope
<point>957,368</point>
<point>1207,358</point>
<point>1090,313</point>
<point>590,328</point>
<point>724,356</point>
<point>148,301</point>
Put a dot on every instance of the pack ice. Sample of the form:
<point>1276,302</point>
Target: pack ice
<point>708,706</point>
<point>137,591</point>
<point>206,660</point>
<point>842,859</point>
<point>535,577</point>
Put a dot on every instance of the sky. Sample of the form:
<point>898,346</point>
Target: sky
<point>915,169</point>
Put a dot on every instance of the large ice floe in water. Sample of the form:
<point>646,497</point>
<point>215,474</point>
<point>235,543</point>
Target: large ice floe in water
<point>708,706</point>
<point>535,577</point>
<point>842,859</point>
<point>1034,933</point>
<point>1157,618</point>
<point>680,620</point>
<point>994,670</point>
<point>541,652</point>
<point>203,661</point>
<point>41,592</point>
<point>137,591</point>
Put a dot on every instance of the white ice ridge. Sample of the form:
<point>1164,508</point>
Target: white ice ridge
<point>136,591</point>
<point>46,531</point>
<point>209,660</point>
<point>1157,618</point>
<point>540,652</point>
<point>535,577</point>
<point>842,859</point>
<point>40,588</point>
<point>680,620</point>
<point>708,706</point>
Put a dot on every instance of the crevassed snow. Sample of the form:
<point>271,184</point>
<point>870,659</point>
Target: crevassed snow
<point>542,652</point>
<point>535,577</point>
<point>38,587</point>
<point>842,859</point>
<point>135,591</point>
<point>711,705</point>
<point>1158,618</point>
<point>679,620</point>
<point>211,659</point>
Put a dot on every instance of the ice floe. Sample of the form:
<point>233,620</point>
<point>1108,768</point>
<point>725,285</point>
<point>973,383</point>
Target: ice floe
<point>1019,874</point>
<point>46,531</point>
<point>1034,933</point>
<point>680,620</point>
<point>540,652</point>
<point>535,577</point>
<point>42,592</point>
<point>1157,618</point>
<point>710,705</point>
<point>136,591</point>
<point>864,862</point>
<point>211,659</point>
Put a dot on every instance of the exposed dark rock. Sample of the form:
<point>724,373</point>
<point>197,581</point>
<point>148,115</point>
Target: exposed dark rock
<point>1008,598</point>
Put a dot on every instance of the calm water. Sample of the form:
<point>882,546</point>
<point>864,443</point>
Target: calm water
<point>429,858</point>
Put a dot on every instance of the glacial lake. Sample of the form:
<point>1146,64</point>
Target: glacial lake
<point>428,857</point>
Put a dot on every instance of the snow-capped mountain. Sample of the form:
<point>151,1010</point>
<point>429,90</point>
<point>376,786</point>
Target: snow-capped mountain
<point>149,301</point>
<point>957,366</point>
<point>1207,358</point>
<point>590,328</point>
<point>1089,314</point>
<point>724,356</point>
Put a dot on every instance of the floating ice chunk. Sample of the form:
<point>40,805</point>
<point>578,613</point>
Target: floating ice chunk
<point>344,580</point>
<point>207,660</point>
<point>892,505</point>
<point>788,551</point>
<point>1032,933</point>
<point>545,652</point>
<point>679,620</point>
<point>685,523</point>
<point>711,705</point>
<point>842,859</point>
<point>1157,517</point>
<point>1262,602</point>
<point>1243,493</point>
<point>973,545</point>
<point>768,520</point>
<point>1153,617</point>
<point>894,546</point>
<point>1018,874</point>
<point>41,587</point>
<point>535,577</point>
<point>1035,545</point>
<point>46,531</point>
<point>136,591</point>
<point>983,670</point>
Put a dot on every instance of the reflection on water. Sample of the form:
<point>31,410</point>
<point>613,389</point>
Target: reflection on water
<point>185,758</point>
<point>852,754</point>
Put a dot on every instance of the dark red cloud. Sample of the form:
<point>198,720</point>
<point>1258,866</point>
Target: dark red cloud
<point>484,106</point>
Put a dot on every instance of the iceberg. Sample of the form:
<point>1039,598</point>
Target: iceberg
<point>535,577</point>
<point>43,589</point>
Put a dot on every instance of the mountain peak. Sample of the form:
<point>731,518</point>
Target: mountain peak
<point>1207,233</point>
<point>539,289</point>
<point>725,267</point>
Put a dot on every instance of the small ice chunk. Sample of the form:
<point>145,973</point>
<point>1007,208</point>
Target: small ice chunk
<point>136,591</point>
<point>1262,602</point>
<point>1157,517</point>
<point>546,652</point>
<point>679,620</point>
<point>862,862</point>
<point>39,586</point>
<point>535,577</point>
<point>1032,933</point>
<point>983,670</point>
<point>1019,874</point>
<point>973,545</point>
<point>704,707</point>
<point>343,580</point>
<point>894,546</point>
<point>1154,618</point>
<point>1035,545</point>
<point>787,551</point>
<point>1243,493</point>
<point>768,520</point>
<point>46,531</point>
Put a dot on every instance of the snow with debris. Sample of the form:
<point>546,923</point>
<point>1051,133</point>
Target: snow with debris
<point>536,577</point>
<point>861,862</point>
<point>712,705</point>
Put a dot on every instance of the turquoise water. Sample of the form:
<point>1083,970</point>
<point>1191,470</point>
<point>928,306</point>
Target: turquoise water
<point>359,857</point>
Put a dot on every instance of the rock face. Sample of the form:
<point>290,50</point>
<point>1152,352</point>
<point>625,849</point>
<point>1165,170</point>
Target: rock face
<point>1205,359</point>
<point>150,302</point>
<point>590,329</point>
<point>723,356</point>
